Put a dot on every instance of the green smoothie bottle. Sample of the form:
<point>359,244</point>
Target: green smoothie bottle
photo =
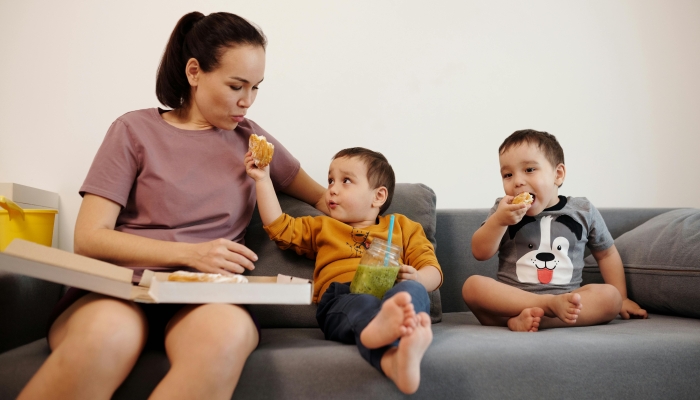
<point>378,269</point>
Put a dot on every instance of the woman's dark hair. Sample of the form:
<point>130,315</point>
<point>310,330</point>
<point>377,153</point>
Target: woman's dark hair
<point>379,171</point>
<point>204,39</point>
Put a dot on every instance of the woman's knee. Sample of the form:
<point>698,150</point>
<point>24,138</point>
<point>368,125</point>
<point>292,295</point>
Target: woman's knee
<point>219,332</point>
<point>102,327</point>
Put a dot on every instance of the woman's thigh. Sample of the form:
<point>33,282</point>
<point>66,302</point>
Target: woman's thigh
<point>211,330</point>
<point>97,319</point>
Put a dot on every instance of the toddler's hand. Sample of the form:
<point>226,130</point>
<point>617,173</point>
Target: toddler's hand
<point>630,309</point>
<point>252,170</point>
<point>407,273</point>
<point>510,214</point>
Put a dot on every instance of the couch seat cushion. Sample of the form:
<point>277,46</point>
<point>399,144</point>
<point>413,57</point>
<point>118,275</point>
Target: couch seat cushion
<point>654,358</point>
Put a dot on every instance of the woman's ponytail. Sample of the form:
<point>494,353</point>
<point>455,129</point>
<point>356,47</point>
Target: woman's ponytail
<point>172,86</point>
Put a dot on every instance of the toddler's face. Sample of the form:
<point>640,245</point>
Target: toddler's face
<point>524,168</point>
<point>349,196</point>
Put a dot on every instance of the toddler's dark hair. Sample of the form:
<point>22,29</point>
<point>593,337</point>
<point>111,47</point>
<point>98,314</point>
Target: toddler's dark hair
<point>544,141</point>
<point>379,171</point>
<point>203,38</point>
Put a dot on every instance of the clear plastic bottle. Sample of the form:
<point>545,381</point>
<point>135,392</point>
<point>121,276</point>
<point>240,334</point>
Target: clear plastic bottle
<point>378,269</point>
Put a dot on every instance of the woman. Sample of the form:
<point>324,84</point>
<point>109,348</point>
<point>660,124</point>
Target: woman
<point>169,189</point>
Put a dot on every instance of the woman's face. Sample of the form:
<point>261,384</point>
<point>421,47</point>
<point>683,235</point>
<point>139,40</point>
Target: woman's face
<point>222,97</point>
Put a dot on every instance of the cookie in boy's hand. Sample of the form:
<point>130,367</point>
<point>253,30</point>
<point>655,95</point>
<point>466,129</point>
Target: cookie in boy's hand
<point>184,276</point>
<point>262,150</point>
<point>523,198</point>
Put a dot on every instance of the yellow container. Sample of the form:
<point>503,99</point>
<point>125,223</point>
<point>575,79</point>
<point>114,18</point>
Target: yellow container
<point>29,224</point>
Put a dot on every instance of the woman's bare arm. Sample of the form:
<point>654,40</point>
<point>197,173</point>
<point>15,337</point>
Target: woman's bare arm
<point>95,237</point>
<point>307,190</point>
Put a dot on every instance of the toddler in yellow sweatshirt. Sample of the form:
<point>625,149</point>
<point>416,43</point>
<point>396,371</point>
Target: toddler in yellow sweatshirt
<point>392,333</point>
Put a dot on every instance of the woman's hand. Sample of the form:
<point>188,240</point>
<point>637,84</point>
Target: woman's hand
<point>221,256</point>
<point>252,170</point>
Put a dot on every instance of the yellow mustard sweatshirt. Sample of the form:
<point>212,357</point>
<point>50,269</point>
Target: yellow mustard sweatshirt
<point>337,247</point>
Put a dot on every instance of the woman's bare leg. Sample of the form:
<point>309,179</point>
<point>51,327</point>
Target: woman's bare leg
<point>208,346</point>
<point>95,344</point>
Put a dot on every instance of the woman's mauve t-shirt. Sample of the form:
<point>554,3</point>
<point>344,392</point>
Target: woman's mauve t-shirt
<point>180,185</point>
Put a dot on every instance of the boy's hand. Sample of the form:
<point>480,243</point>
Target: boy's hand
<point>630,309</point>
<point>428,276</point>
<point>510,214</point>
<point>407,273</point>
<point>252,170</point>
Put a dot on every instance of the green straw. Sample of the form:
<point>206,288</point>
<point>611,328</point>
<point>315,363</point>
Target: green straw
<point>388,241</point>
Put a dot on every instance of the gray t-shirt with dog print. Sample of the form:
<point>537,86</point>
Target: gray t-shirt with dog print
<point>544,254</point>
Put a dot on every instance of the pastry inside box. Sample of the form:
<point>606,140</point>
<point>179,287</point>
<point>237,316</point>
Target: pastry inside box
<point>197,287</point>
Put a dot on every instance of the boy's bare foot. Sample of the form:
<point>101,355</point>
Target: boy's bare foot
<point>403,366</point>
<point>396,319</point>
<point>566,307</point>
<point>527,321</point>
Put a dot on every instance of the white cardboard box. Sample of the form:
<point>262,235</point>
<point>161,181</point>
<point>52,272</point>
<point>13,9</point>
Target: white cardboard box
<point>59,266</point>
<point>29,197</point>
<point>32,198</point>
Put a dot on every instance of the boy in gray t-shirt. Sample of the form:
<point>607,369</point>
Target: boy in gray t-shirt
<point>540,248</point>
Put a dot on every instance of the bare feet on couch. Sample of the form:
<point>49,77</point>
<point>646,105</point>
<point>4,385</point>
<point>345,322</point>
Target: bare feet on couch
<point>527,321</point>
<point>565,306</point>
<point>402,364</point>
<point>396,319</point>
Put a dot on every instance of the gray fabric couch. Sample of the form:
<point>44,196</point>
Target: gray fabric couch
<point>654,358</point>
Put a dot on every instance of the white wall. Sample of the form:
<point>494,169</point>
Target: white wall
<point>435,87</point>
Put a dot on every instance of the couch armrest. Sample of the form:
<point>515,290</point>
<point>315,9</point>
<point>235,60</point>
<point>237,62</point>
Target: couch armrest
<point>25,306</point>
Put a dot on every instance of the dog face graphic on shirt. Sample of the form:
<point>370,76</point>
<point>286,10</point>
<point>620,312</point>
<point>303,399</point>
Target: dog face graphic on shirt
<point>544,248</point>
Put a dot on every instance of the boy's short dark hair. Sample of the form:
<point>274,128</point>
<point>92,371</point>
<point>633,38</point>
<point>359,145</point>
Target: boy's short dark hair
<point>379,171</point>
<point>546,142</point>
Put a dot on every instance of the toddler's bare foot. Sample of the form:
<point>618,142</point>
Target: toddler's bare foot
<point>396,319</point>
<point>404,367</point>
<point>566,307</point>
<point>527,321</point>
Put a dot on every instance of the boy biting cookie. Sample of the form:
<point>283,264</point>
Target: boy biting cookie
<point>540,243</point>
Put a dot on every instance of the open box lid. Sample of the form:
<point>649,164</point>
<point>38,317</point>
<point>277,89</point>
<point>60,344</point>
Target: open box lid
<point>59,266</point>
